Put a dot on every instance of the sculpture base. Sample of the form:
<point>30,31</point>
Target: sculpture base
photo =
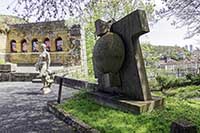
<point>125,104</point>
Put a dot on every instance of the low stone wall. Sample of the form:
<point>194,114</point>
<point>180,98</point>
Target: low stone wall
<point>57,58</point>
<point>17,76</point>
<point>5,68</point>
<point>79,126</point>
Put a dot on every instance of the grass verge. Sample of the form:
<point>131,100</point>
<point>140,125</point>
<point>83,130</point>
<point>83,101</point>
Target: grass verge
<point>108,120</point>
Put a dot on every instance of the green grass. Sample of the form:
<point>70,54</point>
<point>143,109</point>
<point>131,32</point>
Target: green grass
<point>2,61</point>
<point>185,92</point>
<point>109,120</point>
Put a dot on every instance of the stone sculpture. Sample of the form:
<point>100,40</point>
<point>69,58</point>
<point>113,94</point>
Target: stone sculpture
<point>42,66</point>
<point>117,57</point>
<point>108,56</point>
<point>119,65</point>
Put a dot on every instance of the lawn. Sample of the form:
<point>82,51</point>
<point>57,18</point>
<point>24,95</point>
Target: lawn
<point>109,120</point>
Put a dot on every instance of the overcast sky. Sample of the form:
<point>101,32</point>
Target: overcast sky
<point>161,33</point>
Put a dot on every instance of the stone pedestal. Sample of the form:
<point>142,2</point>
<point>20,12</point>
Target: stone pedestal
<point>125,104</point>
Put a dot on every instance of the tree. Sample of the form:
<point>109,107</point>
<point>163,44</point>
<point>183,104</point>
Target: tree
<point>60,9</point>
<point>110,10</point>
<point>5,20</point>
<point>186,12</point>
<point>48,9</point>
<point>85,11</point>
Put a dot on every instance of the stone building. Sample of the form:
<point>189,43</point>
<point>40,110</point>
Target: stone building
<point>20,43</point>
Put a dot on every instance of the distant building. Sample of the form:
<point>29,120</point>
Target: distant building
<point>191,48</point>
<point>182,67</point>
<point>168,64</point>
<point>186,47</point>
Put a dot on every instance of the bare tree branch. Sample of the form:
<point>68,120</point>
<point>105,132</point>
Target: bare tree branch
<point>186,12</point>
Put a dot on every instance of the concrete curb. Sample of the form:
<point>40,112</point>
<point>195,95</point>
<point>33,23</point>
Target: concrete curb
<point>79,126</point>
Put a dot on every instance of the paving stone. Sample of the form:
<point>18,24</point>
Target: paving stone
<point>23,109</point>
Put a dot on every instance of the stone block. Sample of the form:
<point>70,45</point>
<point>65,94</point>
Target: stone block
<point>183,126</point>
<point>125,104</point>
<point>5,68</point>
<point>5,77</point>
<point>36,81</point>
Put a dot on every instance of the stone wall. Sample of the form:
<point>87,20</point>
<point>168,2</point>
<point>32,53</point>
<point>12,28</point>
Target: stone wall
<point>57,58</point>
<point>73,51</point>
<point>3,38</point>
<point>71,42</point>
<point>41,31</point>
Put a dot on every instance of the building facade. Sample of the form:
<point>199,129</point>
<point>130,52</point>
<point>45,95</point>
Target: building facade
<point>20,43</point>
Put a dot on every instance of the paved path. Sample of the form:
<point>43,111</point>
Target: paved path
<point>23,109</point>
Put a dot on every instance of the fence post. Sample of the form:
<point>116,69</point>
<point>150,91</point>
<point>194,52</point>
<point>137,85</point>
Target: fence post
<point>60,89</point>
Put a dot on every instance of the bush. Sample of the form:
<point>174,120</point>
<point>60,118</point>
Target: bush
<point>165,82</point>
<point>162,82</point>
<point>195,80</point>
<point>153,85</point>
<point>189,76</point>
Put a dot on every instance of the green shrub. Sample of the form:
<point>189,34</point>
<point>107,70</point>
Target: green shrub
<point>162,81</point>
<point>165,82</point>
<point>184,92</point>
<point>189,76</point>
<point>195,80</point>
<point>153,84</point>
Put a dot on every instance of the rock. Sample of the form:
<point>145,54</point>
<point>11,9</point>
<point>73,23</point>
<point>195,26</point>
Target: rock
<point>183,126</point>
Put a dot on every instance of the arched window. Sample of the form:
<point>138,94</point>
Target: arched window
<point>35,45</point>
<point>13,46</point>
<point>48,44</point>
<point>59,44</point>
<point>24,46</point>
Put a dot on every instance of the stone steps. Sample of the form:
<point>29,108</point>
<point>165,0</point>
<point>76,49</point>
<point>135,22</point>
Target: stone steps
<point>37,80</point>
<point>14,76</point>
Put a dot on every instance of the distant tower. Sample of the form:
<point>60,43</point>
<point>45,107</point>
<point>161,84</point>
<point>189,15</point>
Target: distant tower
<point>186,47</point>
<point>191,48</point>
